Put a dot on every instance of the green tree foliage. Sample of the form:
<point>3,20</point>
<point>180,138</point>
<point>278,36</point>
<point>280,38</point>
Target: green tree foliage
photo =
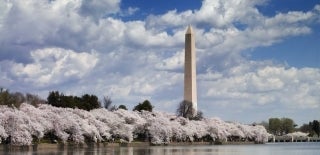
<point>307,128</point>
<point>186,110</point>
<point>86,102</point>
<point>54,99</point>
<point>281,126</point>
<point>275,126</point>
<point>145,105</point>
<point>122,107</point>
<point>287,125</point>
<point>89,102</point>
<point>316,127</point>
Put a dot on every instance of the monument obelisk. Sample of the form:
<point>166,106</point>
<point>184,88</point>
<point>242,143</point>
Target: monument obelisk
<point>190,75</point>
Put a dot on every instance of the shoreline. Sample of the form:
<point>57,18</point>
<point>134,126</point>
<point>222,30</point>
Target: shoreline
<point>132,144</point>
<point>54,146</point>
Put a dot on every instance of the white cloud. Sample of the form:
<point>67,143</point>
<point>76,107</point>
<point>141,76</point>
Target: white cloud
<point>59,23</point>
<point>171,18</point>
<point>54,66</point>
<point>290,87</point>
<point>172,63</point>
<point>226,13</point>
<point>135,60</point>
<point>129,12</point>
<point>293,17</point>
<point>99,8</point>
<point>218,13</point>
<point>4,8</point>
<point>223,17</point>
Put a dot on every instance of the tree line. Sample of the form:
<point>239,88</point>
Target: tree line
<point>58,99</point>
<point>16,99</point>
<point>283,126</point>
<point>86,102</point>
<point>313,128</point>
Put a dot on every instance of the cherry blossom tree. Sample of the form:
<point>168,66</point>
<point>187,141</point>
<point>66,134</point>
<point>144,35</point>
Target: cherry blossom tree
<point>28,124</point>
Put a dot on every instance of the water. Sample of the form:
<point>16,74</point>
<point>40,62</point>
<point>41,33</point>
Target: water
<point>266,149</point>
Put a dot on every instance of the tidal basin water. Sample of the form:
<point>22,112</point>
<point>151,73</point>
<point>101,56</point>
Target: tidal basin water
<point>263,149</point>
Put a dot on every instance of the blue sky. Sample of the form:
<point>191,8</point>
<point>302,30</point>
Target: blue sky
<point>256,59</point>
<point>304,50</point>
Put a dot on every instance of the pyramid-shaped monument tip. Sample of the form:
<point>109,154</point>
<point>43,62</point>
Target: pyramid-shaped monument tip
<point>189,30</point>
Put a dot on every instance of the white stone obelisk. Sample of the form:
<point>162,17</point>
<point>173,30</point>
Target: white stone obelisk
<point>190,74</point>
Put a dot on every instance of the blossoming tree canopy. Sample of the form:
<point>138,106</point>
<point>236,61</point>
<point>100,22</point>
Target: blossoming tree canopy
<point>27,124</point>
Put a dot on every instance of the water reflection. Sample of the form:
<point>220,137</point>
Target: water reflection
<point>159,150</point>
<point>277,149</point>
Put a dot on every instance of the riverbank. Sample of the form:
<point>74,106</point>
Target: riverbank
<point>50,146</point>
<point>69,146</point>
<point>274,149</point>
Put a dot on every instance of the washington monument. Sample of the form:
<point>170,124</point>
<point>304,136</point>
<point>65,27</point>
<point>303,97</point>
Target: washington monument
<point>190,75</point>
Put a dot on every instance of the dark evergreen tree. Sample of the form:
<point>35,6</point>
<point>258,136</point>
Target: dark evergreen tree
<point>89,102</point>
<point>86,102</point>
<point>316,127</point>
<point>54,99</point>
<point>122,107</point>
<point>146,105</point>
<point>307,128</point>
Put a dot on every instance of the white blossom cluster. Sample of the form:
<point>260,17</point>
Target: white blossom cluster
<point>28,124</point>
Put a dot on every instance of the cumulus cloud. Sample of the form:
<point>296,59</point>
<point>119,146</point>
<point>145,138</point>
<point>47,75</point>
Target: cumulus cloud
<point>143,59</point>
<point>172,63</point>
<point>224,14</point>
<point>99,8</point>
<point>221,40</point>
<point>54,66</point>
<point>215,13</point>
<point>129,12</point>
<point>223,17</point>
<point>291,87</point>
